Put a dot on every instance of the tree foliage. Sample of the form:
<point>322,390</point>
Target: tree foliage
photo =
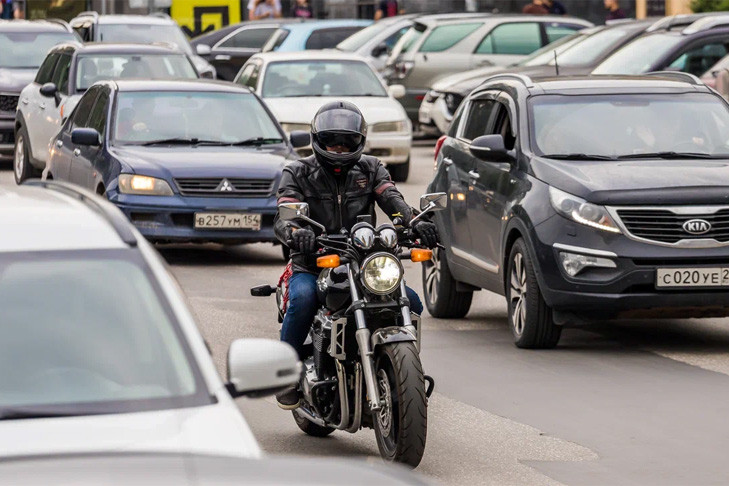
<point>700,6</point>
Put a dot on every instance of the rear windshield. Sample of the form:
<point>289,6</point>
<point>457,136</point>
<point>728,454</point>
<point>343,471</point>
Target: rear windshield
<point>329,38</point>
<point>28,49</point>
<point>145,34</point>
<point>92,68</point>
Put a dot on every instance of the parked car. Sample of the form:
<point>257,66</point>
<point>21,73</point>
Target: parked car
<point>67,72</point>
<point>624,216</point>
<point>141,29</point>
<point>694,49</point>
<point>100,354</point>
<point>184,160</point>
<point>23,45</point>
<point>317,34</point>
<point>295,85</point>
<point>709,77</point>
<point>228,48</point>
<point>376,41</point>
<point>435,48</point>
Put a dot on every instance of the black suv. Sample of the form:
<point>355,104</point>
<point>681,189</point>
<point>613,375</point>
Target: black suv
<point>583,197</point>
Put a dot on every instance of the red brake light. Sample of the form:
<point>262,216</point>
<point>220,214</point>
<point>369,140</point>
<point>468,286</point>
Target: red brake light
<point>438,146</point>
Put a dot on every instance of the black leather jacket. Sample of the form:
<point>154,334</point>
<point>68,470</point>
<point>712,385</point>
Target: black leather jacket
<point>336,201</point>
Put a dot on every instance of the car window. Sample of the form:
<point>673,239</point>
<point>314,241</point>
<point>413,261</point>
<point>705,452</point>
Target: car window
<point>409,38</point>
<point>329,38</point>
<point>393,38</point>
<point>360,38</point>
<point>446,36</point>
<point>477,122</point>
<point>83,29</point>
<point>97,118</point>
<point>639,56</point>
<point>453,127</point>
<point>594,47</point>
<point>503,126</point>
<point>245,74</point>
<point>248,38</point>
<point>145,34</point>
<point>699,59</point>
<point>22,50</point>
<point>518,38</point>
<point>320,78</point>
<point>60,74</point>
<point>275,41</point>
<point>45,73</point>
<point>81,114</point>
<point>252,79</point>
<point>556,31</point>
<point>92,68</point>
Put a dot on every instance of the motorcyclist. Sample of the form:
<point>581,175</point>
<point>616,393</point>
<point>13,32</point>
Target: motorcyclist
<point>339,184</point>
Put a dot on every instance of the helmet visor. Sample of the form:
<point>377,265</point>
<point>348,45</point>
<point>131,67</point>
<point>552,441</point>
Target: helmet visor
<point>348,140</point>
<point>339,120</point>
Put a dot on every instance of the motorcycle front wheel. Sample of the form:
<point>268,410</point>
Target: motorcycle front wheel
<point>401,425</point>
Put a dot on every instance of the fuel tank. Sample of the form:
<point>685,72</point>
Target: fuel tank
<point>333,288</point>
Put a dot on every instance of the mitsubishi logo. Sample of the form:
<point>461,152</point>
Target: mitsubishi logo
<point>696,226</point>
<point>225,186</point>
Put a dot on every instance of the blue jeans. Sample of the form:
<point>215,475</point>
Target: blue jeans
<point>303,304</point>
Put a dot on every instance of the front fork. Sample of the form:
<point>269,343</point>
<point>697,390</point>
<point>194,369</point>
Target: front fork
<point>363,340</point>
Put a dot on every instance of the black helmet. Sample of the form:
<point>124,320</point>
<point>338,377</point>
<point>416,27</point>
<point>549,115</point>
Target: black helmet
<point>338,123</point>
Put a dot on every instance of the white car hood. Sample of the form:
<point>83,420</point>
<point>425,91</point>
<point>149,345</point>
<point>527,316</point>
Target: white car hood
<point>303,109</point>
<point>213,429</point>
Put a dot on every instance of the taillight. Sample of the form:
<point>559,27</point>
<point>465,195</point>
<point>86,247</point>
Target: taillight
<point>438,146</point>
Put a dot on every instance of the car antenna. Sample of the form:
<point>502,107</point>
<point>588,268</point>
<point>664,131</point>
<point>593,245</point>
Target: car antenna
<point>556,65</point>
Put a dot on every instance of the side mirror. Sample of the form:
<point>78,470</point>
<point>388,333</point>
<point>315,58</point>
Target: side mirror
<point>435,201</point>
<point>289,211</point>
<point>490,148</point>
<point>300,138</point>
<point>49,90</point>
<point>379,50</point>
<point>85,136</point>
<point>261,367</point>
<point>397,91</point>
<point>203,50</point>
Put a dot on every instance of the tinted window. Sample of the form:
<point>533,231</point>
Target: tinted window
<point>83,109</point>
<point>516,39</point>
<point>245,74</point>
<point>556,31</point>
<point>45,73</point>
<point>503,125</point>
<point>83,30</point>
<point>28,49</point>
<point>249,38</point>
<point>97,118</point>
<point>329,38</point>
<point>92,68</point>
<point>479,113</point>
<point>699,59</point>
<point>60,74</point>
<point>446,36</point>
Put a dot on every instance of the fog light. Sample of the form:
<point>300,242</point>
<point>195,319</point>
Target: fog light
<point>574,263</point>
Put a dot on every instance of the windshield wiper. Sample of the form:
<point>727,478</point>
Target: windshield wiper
<point>32,413</point>
<point>674,155</point>
<point>181,141</point>
<point>255,141</point>
<point>578,157</point>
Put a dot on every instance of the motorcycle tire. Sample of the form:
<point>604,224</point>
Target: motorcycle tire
<point>310,428</point>
<point>441,297</point>
<point>402,423</point>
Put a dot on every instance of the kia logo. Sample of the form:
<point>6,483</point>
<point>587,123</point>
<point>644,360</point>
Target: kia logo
<point>696,226</point>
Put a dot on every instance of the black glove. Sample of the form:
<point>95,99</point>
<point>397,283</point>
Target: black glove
<point>426,232</point>
<point>303,240</point>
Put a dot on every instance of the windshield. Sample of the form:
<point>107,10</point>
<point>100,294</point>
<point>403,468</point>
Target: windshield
<point>639,56</point>
<point>145,34</point>
<point>594,47</point>
<point>28,49</point>
<point>142,117</point>
<point>359,38</point>
<point>628,125</point>
<point>320,78</point>
<point>545,55</point>
<point>73,342</point>
<point>95,68</point>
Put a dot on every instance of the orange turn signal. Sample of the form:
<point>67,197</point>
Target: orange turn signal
<point>420,255</point>
<point>328,261</point>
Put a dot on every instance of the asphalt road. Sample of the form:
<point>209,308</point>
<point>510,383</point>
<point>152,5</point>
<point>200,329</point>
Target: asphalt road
<point>616,403</point>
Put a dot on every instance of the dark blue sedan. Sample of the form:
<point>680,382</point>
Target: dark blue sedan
<point>196,161</point>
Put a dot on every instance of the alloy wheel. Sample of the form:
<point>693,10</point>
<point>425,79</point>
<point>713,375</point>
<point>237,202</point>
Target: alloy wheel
<point>432,277</point>
<point>518,294</point>
<point>19,161</point>
<point>385,415</point>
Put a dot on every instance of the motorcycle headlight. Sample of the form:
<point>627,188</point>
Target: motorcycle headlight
<point>581,211</point>
<point>143,185</point>
<point>381,273</point>
<point>388,237</point>
<point>364,238</point>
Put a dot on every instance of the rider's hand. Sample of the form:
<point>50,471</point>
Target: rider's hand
<point>426,232</point>
<point>303,240</point>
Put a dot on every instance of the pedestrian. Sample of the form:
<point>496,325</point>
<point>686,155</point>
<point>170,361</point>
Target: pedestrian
<point>264,9</point>
<point>388,8</point>
<point>614,10</point>
<point>537,7</point>
<point>6,9</point>
<point>555,7</point>
<point>302,10</point>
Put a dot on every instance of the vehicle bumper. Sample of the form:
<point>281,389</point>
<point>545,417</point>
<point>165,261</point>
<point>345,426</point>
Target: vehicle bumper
<point>435,115</point>
<point>629,290</point>
<point>390,148</point>
<point>7,137</point>
<point>411,102</point>
<point>171,219</point>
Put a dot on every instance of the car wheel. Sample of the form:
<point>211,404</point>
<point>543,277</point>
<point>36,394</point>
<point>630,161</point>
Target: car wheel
<point>441,297</point>
<point>530,318</point>
<point>22,168</point>
<point>400,172</point>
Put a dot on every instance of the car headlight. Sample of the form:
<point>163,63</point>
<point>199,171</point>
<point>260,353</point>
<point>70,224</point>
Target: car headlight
<point>364,237</point>
<point>396,126</point>
<point>381,273</point>
<point>292,127</point>
<point>581,211</point>
<point>143,185</point>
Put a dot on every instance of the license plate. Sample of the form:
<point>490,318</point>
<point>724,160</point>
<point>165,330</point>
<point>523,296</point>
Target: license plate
<point>228,221</point>
<point>692,277</point>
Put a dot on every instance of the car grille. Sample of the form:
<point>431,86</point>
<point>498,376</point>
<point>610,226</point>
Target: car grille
<point>665,226</point>
<point>217,187</point>
<point>8,102</point>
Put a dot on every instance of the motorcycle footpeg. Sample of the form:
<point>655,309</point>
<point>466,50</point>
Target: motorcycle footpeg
<point>430,385</point>
<point>263,291</point>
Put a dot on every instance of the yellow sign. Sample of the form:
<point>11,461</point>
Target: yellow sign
<point>198,17</point>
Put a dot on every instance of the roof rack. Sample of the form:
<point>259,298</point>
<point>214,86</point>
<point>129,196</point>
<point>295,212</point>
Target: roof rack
<point>680,20</point>
<point>525,80</point>
<point>89,13</point>
<point>707,23</point>
<point>677,76</point>
<point>115,218</point>
<point>60,22</point>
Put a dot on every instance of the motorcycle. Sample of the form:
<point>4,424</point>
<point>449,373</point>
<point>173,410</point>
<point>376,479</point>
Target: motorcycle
<point>364,365</point>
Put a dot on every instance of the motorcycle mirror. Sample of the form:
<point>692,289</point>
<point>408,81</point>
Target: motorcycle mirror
<point>299,210</point>
<point>434,201</point>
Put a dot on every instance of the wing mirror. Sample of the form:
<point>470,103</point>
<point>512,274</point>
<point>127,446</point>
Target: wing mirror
<point>261,367</point>
<point>397,91</point>
<point>300,139</point>
<point>490,148</point>
<point>379,50</point>
<point>50,90</point>
<point>203,50</point>
<point>292,211</point>
<point>86,136</point>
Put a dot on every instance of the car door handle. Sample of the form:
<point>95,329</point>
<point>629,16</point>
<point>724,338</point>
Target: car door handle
<point>473,174</point>
<point>484,63</point>
<point>222,57</point>
<point>447,161</point>
<point>59,143</point>
<point>42,106</point>
<point>76,152</point>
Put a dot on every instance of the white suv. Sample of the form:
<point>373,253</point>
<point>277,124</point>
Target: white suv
<point>98,349</point>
